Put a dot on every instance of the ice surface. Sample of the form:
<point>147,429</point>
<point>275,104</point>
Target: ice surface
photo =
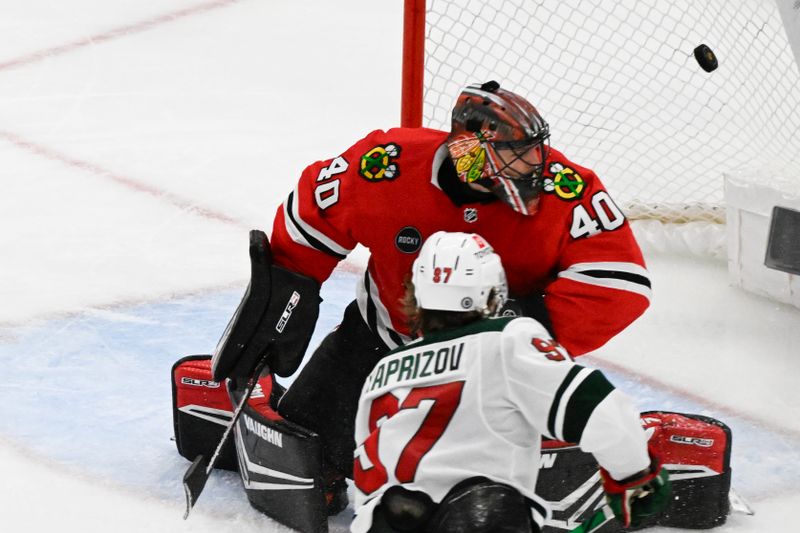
<point>139,141</point>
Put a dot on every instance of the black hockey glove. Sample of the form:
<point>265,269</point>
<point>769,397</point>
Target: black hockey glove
<point>276,316</point>
<point>638,500</point>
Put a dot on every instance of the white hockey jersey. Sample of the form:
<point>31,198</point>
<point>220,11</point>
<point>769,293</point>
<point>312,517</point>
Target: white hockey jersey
<point>475,401</point>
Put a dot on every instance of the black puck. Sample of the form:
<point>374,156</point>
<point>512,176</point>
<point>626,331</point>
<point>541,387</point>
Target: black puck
<point>705,58</point>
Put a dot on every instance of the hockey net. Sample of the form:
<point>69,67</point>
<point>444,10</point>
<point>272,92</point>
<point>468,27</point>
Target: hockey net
<point>619,84</point>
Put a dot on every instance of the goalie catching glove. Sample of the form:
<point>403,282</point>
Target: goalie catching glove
<point>638,500</point>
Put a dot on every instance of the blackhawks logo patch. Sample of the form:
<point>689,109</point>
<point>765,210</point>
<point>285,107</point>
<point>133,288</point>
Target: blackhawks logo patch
<point>471,164</point>
<point>469,155</point>
<point>379,163</point>
<point>565,182</point>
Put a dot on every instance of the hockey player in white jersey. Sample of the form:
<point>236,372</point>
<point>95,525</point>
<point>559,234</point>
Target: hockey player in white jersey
<point>449,426</point>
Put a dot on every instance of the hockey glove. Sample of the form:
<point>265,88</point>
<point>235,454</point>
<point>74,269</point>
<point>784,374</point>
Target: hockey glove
<point>277,314</point>
<point>638,500</point>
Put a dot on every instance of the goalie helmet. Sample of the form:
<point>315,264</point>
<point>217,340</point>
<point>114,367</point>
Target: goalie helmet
<point>459,272</point>
<point>498,140</point>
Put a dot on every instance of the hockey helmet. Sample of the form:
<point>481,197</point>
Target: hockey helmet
<point>459,272</point>
<point>498,140</point>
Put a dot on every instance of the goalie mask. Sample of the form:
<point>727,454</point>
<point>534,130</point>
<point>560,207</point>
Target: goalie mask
<point>459,272</point>
<point>498,140</point>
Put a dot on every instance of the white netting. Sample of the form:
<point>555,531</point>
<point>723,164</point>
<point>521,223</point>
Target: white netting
<point>623,93</point>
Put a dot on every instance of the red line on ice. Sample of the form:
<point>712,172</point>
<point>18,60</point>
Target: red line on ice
<point>130,183</point>
<point>115,33</point>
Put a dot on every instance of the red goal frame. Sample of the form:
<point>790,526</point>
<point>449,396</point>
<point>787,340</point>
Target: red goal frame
<point>413,63</point>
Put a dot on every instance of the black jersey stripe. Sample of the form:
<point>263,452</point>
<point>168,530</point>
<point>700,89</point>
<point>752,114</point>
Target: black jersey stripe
<point>313,241</point>
<point>551,418</point>
<point>395,336</point>
<point>539,512</point>
<point>582,403</point>
<point>372,314</point>
<point>618,274</point>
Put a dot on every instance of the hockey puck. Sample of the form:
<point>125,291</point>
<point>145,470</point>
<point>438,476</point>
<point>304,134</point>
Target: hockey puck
<point>705,58</point>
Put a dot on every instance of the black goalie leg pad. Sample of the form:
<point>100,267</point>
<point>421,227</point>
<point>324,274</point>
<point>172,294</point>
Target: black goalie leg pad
<point>277,314</point>
<point>696,451</point>
<point>281,466</point>
<point>201,410</point>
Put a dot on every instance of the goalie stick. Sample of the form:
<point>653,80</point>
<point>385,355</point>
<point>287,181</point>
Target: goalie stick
<point>194,480</point>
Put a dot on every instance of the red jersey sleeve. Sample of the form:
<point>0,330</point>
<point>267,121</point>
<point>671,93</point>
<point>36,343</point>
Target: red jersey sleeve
<point>312,228</point>
<point>602,284</point>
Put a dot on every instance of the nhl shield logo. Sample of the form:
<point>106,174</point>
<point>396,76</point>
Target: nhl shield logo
<point>470,214</point>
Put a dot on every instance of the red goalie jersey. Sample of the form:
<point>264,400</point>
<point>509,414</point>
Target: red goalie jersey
<point>391,190</point>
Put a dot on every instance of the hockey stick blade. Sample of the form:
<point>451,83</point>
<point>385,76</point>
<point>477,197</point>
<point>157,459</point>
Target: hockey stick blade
<point>194,480</point>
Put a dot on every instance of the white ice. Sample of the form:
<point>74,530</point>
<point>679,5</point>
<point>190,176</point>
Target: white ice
<point>140,140</point>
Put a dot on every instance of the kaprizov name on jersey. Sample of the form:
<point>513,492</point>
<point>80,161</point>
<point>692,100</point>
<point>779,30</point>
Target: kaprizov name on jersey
<point>415,365</point>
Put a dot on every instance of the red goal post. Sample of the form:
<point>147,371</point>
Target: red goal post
<point>621,88</point>
<point>413,63</point>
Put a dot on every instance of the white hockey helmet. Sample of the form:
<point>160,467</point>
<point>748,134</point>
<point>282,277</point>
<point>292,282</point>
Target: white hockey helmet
<point>458,272</point>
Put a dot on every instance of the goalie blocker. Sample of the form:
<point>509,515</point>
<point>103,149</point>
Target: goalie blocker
<point>277,315</point>
<point>280,462</point>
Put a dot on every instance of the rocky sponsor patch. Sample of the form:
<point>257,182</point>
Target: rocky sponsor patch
<point>408,240</point>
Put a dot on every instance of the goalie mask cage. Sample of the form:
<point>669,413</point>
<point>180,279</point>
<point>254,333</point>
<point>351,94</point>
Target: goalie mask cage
<point>621,88</point>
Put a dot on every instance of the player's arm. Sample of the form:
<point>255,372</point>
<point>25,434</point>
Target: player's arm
<point>311,234</point>
<point>558,396</point>
<point>637,486</point>
<point>312,230</point>
<point>601,283</point>
<point>572,403</point>
<point>275,319</point>
<point>569,402</point>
